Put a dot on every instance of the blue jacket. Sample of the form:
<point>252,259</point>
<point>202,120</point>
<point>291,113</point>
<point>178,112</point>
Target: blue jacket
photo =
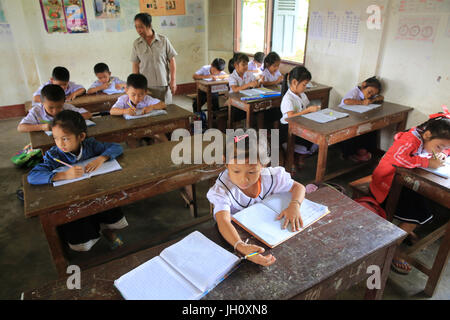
<point>43,172</point>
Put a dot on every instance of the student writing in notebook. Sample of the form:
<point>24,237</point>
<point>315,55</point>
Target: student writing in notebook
<point>271,75</point>
<point>426,146</point>
<point>295,103</point>
<point>240,79</point>
<point>256,65</point>
<point>359,149</point>
<point>244,184</point>
<point>105,82</point>
<point>72,146</point>
<point>41,115</point>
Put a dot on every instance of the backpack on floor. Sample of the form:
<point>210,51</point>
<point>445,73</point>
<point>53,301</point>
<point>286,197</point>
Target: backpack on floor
<point>371,204</point>
<point>27,157</point>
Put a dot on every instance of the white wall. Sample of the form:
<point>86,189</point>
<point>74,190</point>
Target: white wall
<point>37,52</point>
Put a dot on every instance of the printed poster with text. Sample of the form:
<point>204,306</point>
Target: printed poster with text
<point>107,9</point>
<point>163,7</point>
<point>76,20</point>
<point>53,14</point>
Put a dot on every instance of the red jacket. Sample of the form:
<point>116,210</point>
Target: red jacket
<point>403,153</point>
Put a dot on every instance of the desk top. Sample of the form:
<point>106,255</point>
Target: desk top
<point>212,83</point>
<point>349,233</point>
<point>354,118</point>
<point>110,124</point>
<point>94,98</point>
<point>139,166</point>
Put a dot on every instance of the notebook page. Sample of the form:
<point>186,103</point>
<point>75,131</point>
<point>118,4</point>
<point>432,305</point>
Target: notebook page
<point>333,113</point>
<point>155,280</point>
<point>360,108</point>
<point>319,117</point>
<point>106,167</point>
<point>150,114</point>
<point>443,171</point>
<point>200,260</point>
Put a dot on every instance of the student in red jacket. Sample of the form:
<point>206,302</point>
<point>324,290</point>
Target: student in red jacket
<point>424,146</point>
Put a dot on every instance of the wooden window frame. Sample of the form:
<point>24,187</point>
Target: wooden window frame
<point>268,21</point>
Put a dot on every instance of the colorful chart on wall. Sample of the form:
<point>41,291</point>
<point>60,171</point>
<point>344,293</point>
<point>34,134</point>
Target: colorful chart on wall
<point>76,20</point>
<point>163,7</point>
<point>53,14</point>
<point>107,9</point>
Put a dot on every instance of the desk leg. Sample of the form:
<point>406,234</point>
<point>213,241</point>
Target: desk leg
<point>439,264</point>
<point>402,124</point>
<point>260,120</point>
<point>377,294</point>
<point>199,107</point>
<point>55,245</point>
<point>248,121</point>
<point>322,160</point>
<point>290,152</point>
<point>210,108</point>
<point>394,195</point>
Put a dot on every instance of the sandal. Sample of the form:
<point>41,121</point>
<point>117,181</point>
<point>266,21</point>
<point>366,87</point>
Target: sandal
<point>398,269</point>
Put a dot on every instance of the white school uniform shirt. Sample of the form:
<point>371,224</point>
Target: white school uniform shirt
<point>236,80</point>
<point>206,71</point>
<point>123,102</point>
<point>292,102</point>
<point>355,93</point>
<point>71,88</point>
<point>271,77</point>
<point>225,195</point>
<point>38,115</point>
<point>112,88</point>
<point>252,66</point>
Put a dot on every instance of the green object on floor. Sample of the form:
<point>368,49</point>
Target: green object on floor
<point>27,157</point>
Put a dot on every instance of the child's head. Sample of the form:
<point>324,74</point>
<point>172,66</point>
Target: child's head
<point>258,58</point>
<point>242,160</point>
<point>298,78</point>
<point>435,134</point>
<point>60,77</point>
<point>52,97</point>
<point>240,63</point>
<point>272,62</point>
<point>102,72</point>
<point>69,130</point>
<point>136,87</point>
<point>371,87</point>
<point>217,66</point>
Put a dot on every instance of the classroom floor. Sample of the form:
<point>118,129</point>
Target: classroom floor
<point>25,258</point>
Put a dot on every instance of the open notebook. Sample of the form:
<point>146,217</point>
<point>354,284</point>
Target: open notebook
<point>360,108</point>
<point>108,166</point>
<point>186,270</point>
<point>325,115</point>
<point>443,171</point>
<point>150,114</point>
<point>260,219</point>
<point>89,123</point>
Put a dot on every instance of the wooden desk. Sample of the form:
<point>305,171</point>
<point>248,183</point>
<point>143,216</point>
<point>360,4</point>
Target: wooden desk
<point>318,92</point>
<point>219,86</point>
<point>434,188</point>
<point>342,129</point>
<point>327,258</point>
<point>146,172</point>
<point>117,129</point>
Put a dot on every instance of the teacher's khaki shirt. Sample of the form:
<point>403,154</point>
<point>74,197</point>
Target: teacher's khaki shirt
<point>154,59</point>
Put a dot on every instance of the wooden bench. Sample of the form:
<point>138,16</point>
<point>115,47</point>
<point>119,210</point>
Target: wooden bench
<point>360,187</point>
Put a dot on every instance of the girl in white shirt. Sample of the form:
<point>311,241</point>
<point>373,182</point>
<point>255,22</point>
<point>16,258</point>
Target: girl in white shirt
<point>244,184</point>
<point>271,74</point>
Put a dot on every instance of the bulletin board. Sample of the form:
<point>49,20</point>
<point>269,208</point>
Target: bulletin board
<point>163,7</point>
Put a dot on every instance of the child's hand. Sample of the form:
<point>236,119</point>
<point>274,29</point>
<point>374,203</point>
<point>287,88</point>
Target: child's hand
<point>253,84</point>
<point>435,163</point>
<point>147,109</point>
<point>104,86</point>
<point>45,127</point>
<point>246,249</point>
<point>70,97</point>
<point>119,86</point>
<point>74,172</point>
<point>95,164</point>
<point>441,156</point>
<point>214,78</point>
<point>366,102</point>
<point>129,111</point>
<point>280,79</point>
<point>292,215</point>
<point>313,108</point>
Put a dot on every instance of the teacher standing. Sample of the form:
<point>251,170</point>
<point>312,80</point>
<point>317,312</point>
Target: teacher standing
<point>154,57</point>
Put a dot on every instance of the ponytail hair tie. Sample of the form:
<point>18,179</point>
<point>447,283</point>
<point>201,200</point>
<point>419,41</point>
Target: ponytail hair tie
<point>444,114</point>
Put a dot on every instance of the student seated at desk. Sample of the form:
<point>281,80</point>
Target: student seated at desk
<point>240,79</point>
<point>72,146</point>
<point>42,114</point>
<point>426,146</point>
<point>242,185</point>
<point>215,72</point>
<point>295,103</point>
<point>61,77</point>
<point>271,75</point>
<point>356,149</point>
<point>256,65</point>
<point>106,83</point>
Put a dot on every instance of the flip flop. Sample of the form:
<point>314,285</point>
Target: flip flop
<point>398,269</point>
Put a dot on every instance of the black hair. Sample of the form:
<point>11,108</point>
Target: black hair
<point>53,92</point>
<point>372,82</point>
<point>259,57</point>
<point>439,128</point>
<point>145,18</point>
<point>231,63</point>
<point>239,57</point>
<point>70,121</point>
<point>137,81</point>
<point>270,59</point>
<point>218,63</point>
<point>298,73</point>
<point>101,67</point>
<point>60,74</point>
<point>250,142</point>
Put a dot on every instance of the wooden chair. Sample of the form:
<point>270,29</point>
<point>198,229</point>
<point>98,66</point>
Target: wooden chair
<point>360,187</point>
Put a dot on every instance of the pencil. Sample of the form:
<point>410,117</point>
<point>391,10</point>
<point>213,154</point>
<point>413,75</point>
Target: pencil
<point>251,255</point>
<point>434,155</point>
<point>62,162</point>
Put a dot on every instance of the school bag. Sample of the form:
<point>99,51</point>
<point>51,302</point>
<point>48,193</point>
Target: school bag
<point>372,204</point>
<point>27,157</point>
